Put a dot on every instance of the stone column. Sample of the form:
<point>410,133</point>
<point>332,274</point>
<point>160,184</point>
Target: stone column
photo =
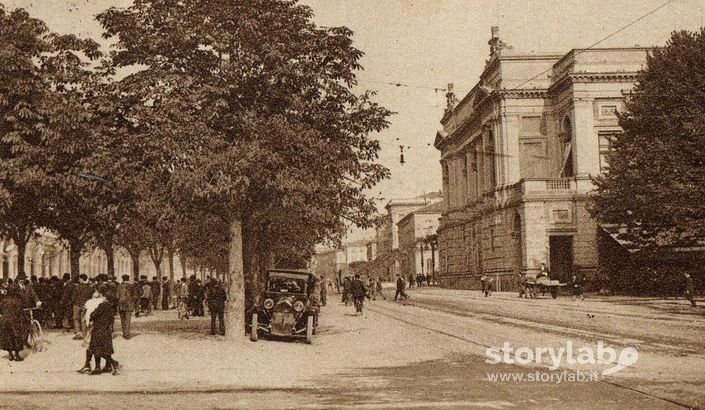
<point>586,148</point>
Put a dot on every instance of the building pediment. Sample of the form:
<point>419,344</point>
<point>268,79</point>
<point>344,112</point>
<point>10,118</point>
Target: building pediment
<point>440,137</point>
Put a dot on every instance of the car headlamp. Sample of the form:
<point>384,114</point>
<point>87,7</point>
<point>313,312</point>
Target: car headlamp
<point>268,303</point>
<point>298,306</point>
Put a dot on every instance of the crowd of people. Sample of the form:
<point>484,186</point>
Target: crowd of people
<point>88,307</point>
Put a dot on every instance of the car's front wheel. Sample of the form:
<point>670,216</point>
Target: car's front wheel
<point>254,327</point>
<point>309,329</point>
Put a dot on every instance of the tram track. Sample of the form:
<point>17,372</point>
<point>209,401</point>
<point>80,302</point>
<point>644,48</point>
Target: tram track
<point>468,340</point>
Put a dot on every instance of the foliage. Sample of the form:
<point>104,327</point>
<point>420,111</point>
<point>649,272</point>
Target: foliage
<point>654,187</point>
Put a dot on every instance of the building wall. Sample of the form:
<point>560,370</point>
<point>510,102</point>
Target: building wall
<point>517,166</point>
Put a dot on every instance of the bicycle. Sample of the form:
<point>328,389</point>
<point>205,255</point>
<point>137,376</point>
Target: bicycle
<point>35,340</point>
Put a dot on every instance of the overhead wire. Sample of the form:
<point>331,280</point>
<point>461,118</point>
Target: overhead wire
<point>619,30</point>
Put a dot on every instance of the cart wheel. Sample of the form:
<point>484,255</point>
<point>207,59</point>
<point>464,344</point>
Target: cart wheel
<point>309,329</point>
<point>253,328</point>
<point>554,293</point>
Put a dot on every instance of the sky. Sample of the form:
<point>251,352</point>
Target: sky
<point>427,44</point>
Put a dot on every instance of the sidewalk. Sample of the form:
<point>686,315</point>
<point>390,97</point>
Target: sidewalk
<point>169,355</point>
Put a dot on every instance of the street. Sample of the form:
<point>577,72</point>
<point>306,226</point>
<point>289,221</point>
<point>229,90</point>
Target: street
<point>424,353</point>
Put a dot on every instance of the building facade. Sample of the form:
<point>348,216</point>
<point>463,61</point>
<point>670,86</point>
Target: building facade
<point>417,231</point>
<point>387,263</point>
<point>46,255</point>
<point>517,155</point>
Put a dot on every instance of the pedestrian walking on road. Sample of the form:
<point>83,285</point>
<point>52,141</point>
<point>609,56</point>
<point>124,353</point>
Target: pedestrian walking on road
<point>372,286</point>
<point>324,290</point>
<point>380,291</point>
<point>126,304</point>
<point>412,280</point>
<point>577,284</point>
<point>690,289</point>
<point>400,289</point>
<point>359,292</point>
<point>486,283</point>
<point>346,290</point>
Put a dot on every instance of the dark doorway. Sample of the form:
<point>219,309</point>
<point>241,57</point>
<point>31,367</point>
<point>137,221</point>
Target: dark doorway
<point>561,254</point>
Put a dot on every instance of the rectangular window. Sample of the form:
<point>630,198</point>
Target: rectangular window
<point>606,139</point>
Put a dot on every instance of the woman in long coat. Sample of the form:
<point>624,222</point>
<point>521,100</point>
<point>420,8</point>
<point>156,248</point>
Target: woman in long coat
<point>14,324</point>
<point>101,344</point>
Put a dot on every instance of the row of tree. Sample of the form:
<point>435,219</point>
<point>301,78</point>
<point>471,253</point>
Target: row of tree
<point>205,112</point>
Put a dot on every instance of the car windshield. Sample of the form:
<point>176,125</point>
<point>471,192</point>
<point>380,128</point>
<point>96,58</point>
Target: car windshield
<point>286,284</point>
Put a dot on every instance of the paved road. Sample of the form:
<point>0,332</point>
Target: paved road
<point>669,335</point>
<point>395,356</point>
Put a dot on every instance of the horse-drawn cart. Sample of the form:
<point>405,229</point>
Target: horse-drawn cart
<point>541,284</point>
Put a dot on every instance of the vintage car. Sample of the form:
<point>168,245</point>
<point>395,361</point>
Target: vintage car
<point>286,308</point>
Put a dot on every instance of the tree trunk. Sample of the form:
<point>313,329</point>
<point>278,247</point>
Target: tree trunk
<point>109,250</point>
<point>171,265</point>
<point>182,260</point>
<point>135,265</point>
<point>21,250</point>
<point>157,254</point>
<point>75,248</point>
<point>235,307</point>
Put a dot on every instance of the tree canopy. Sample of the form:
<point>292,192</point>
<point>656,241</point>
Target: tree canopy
<point>222,111</point>
<point>654,187</point>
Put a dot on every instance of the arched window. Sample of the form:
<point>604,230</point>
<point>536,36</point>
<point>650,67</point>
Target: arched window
<point>567,148</point>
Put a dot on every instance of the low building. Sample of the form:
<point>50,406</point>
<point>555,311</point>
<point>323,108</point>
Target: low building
<point>517,155</point>
<point>387,264</point>
<point>417,233</point>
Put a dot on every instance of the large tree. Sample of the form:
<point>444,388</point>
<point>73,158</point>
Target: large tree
<point>654,187</point>
<point>42,78</point>
<point>281,136</point>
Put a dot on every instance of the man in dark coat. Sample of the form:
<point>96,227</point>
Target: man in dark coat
<point>358,291</point>
<point>101,344</point>
<point>156,291</point>
<point>14,324</point>
<point>126,304</point>
<point>400,289</point>
<point>216,297</point>
<point>166,293</point>
<point>68,287</point>
<point>82,292</point>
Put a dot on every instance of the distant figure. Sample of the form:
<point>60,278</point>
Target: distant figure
<point>412,281</point>
<point>523,285</point>
<point>577,283</point>
<point>486,283</point>
<point>14,324</point>
<point>690,289</point>
<point>358,291</point>
<point>146,302</point>
<point>156,292</point>
<point>372,286</point>
<point>126,304</point>
<point>543,271</point>
<point>346,290</point>
<point>217,297</point>
<point>324,290</point>
<point>380,291</point>
<point>400,289</point>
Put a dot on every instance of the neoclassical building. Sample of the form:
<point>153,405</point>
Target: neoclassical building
<point>46,255</point>
<point>517,154</point>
